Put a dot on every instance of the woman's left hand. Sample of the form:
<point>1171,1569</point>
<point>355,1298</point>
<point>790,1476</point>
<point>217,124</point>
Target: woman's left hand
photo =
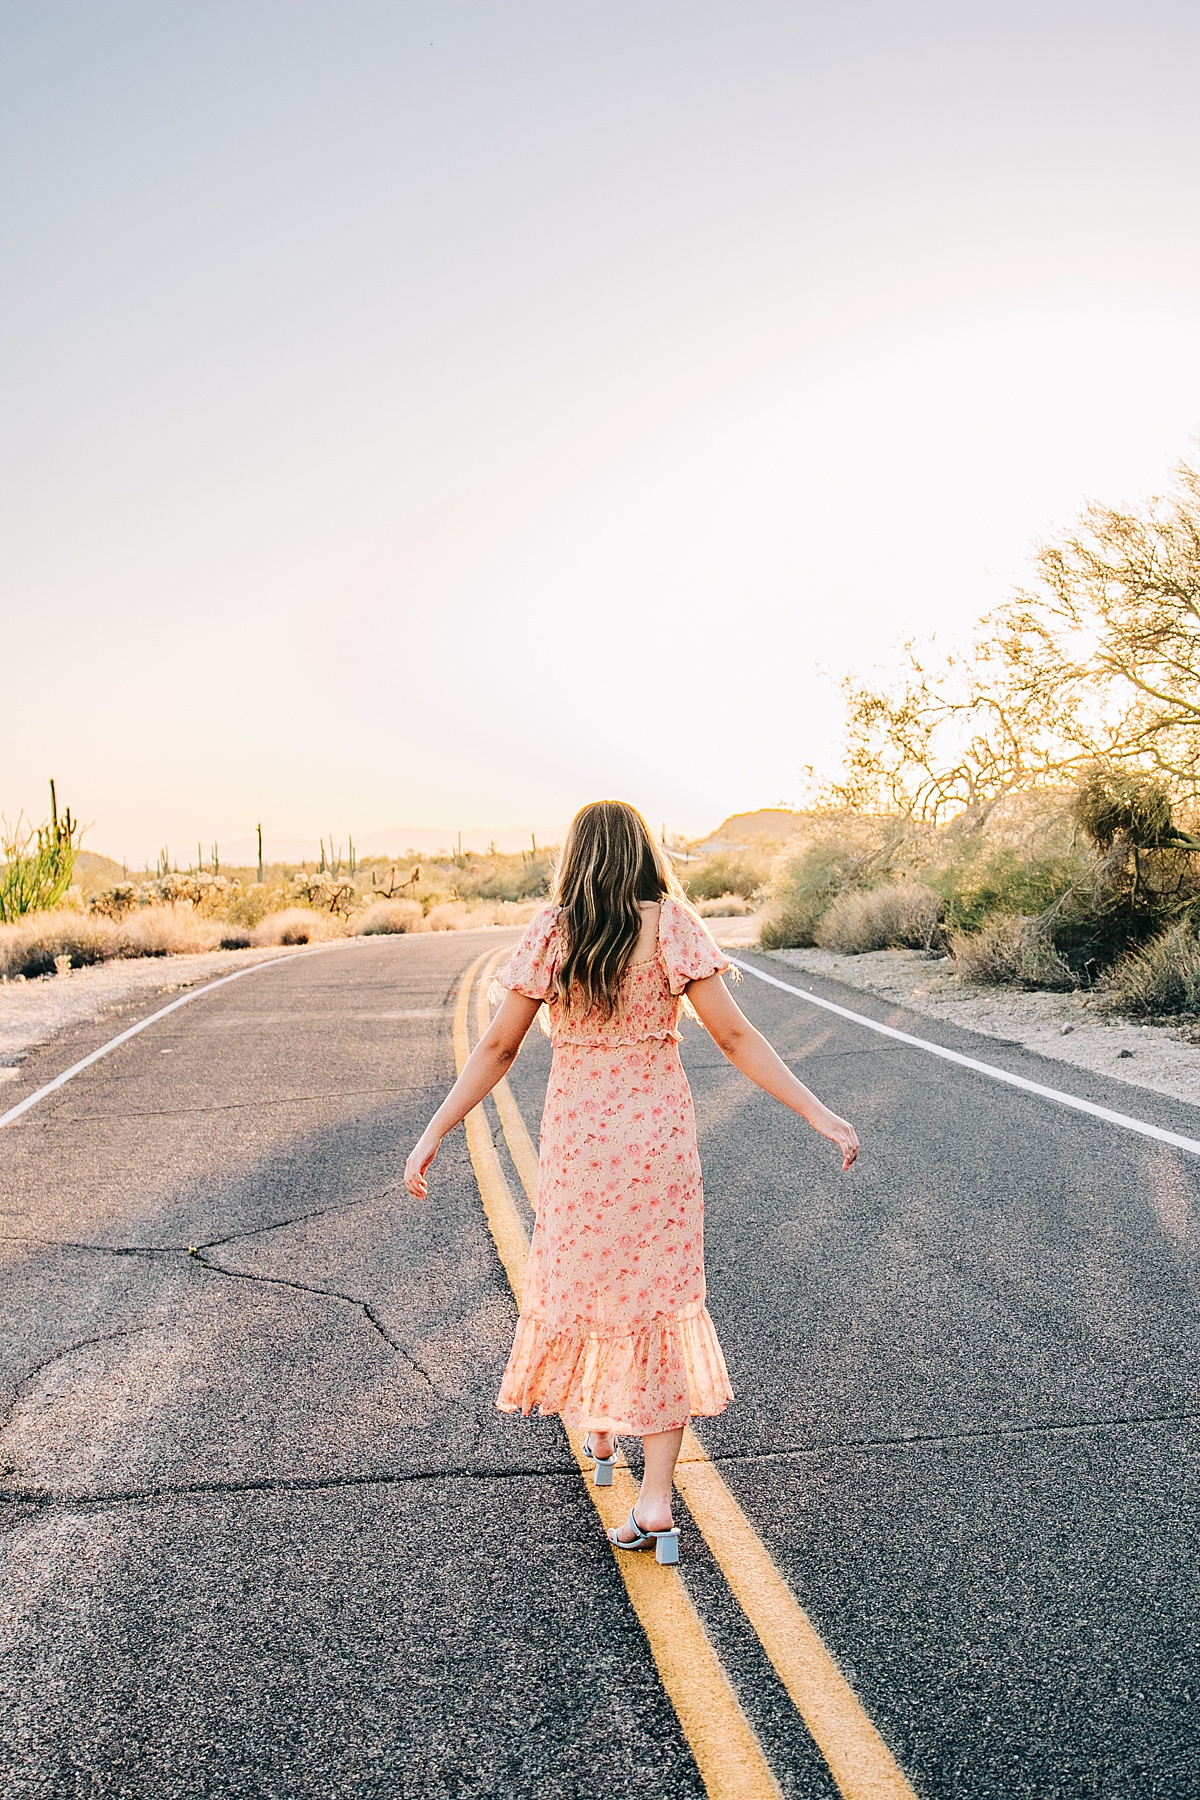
<point>843,1134</point>
<point>419,1160</point>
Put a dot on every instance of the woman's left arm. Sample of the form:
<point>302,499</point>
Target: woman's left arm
<point>750,1052</point>
<point>492,1056</point>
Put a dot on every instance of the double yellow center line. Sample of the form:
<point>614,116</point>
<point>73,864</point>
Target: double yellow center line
<point>728,1754</point>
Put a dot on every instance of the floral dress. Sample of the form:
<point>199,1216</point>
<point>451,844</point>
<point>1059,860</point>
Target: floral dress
<point>613,1333</point>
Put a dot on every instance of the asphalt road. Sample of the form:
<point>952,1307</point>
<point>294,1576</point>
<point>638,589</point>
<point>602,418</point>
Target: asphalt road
<point>265,1534</point>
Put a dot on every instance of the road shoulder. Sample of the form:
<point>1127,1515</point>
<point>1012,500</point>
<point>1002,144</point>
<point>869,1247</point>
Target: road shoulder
<point>1063,1027</point>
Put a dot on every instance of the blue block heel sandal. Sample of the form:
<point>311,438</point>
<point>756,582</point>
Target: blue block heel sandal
<point>666,1543</point>
<point>604,1464</point>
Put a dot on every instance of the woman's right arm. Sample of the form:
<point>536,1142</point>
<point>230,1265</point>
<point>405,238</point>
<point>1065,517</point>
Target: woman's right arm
<point>492,1056</point>
<point>749,1051</point>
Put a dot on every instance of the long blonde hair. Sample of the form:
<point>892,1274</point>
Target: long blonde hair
<point>609,863</point>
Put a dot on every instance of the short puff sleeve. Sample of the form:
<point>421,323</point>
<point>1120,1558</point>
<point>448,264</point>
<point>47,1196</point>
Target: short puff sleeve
<point>531,968</point>
<point>687,946</point>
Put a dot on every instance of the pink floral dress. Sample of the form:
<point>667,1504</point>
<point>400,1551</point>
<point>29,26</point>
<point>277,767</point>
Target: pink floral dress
<point>613,1333</point>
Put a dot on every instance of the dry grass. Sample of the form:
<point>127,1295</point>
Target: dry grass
<point>294,925</point>
<point>1161,979</point>
<point>388,916</point>
<point>42,942</point>
<point>726,906</point>
<point>1010,950</point>
<point>458,915</point>
<point>899,915</point>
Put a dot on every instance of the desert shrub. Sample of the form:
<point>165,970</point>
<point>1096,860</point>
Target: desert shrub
<point>167,931</point>
<point>34,944</point>
<point>387,916</point>
<point>728,872</point>
<point>843,853</point>
<point>114,902</point>
<point>333,894</point>
<point>67,938</point>
<point>525,876</point>
<point>977,886</point>
<point>456,915</point>
<point>898,915</point>
<point>726,906</point>
<point>1161,978</point>
<point>257,900</point>
<point>514,912</point>
<point>294,925</point>
<point>1011,950</point>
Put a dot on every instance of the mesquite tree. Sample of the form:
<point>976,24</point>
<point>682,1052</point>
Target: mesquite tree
<point>1096,665</point>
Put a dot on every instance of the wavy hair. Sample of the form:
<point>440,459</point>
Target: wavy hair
<point>609,863</point>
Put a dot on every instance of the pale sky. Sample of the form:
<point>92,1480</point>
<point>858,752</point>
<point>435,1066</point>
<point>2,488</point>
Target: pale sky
<point>448,414</point>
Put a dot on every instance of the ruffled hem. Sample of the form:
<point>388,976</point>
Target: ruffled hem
<point>563,1039</point>
<point>652,1381</point>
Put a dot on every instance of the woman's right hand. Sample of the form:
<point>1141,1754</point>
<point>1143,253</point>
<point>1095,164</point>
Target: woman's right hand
<point>841,1133</point>
<point>422,1154</point>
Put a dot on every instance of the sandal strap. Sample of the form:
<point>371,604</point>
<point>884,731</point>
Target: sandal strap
<point>642,1536</point>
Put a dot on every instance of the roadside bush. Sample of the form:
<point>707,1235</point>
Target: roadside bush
<point>258,901</point>
<point>1011,950</point>
<point>463,915</point>
<point>32,945</point>
<point>977,887</point>
<point>42,942</point>
<point>294,925</point>
<point>1162,978</point>
<point>389,916</point>
<point>898,915</point>
<point>729,872</point>
<point>727,906</point>
<point>845,852</point>
<point>525,876</point>
<point>166,931</point>
<point>333,894</point>
<point>512,912</point>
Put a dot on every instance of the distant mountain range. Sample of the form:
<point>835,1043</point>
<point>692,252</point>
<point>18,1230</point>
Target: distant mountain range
<point>772,825</point>
<point>425,840</point>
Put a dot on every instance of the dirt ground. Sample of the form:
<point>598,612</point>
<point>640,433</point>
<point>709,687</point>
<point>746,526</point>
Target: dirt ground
<point>1066,1027</point>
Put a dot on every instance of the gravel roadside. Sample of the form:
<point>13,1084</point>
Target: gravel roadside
<point>1065,1027</point>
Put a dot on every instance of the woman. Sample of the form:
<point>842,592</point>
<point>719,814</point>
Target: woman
<point>613,1333</point>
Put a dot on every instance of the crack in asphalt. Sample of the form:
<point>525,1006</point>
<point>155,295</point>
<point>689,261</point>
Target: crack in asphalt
<point>233,1237</point>
<point>318,1212</point>
<point>43,1499</point>
<point>98,1249</point>
<point>31,1375</point>
<point>195,1253</point>
<point>897,1440</point>
<point>903,1440</point>
<point>352,1300</point>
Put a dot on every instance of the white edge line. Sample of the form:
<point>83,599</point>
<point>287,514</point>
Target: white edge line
<point>23,1106</point>
<point>1192,1145</point>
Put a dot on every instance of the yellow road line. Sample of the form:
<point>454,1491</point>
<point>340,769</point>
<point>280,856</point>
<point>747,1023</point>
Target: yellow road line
<point>859,1760</point>
<point>503,1219</point>
<point>516,1134</point>
<point>721,1738</point>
